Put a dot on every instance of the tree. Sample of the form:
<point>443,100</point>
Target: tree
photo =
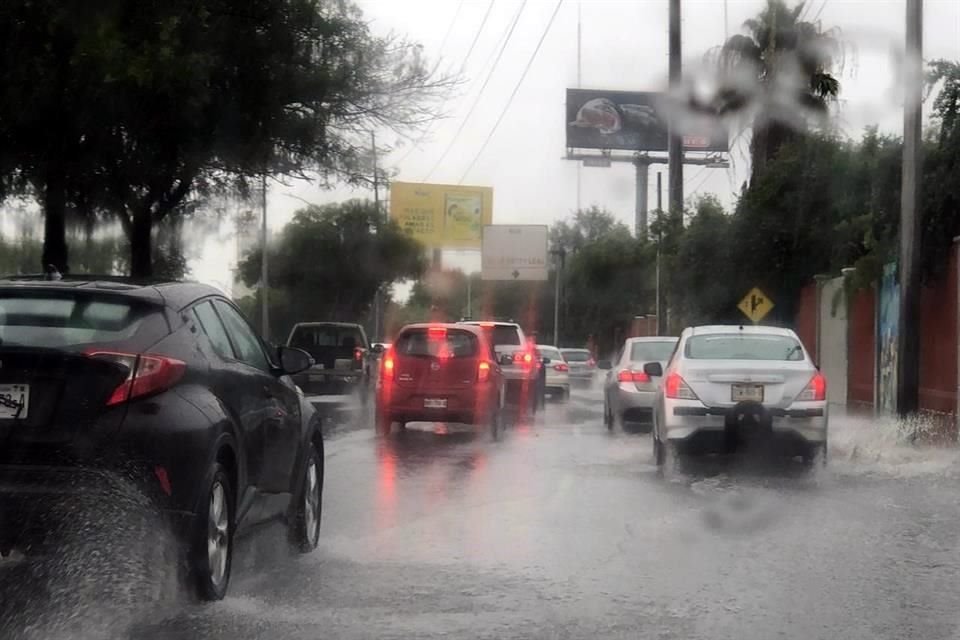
<point>139,109</point>
<point>328,263</point>
<point>778,75</point>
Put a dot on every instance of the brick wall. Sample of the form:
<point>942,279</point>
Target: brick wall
<point>861,348</point>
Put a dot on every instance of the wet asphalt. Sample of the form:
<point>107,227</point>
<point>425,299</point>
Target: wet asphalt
<point>559,529</point>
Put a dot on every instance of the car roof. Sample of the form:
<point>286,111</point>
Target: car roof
<point>652,339</point>
<point>711,329</point>
<point>547,346</point>
<point>173,294</point>
<point>489,323</point>
<point>575,349</point>
<point>326,324</point>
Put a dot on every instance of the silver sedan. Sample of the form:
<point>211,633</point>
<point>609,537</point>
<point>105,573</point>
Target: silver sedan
<point>728,387</point>
<point>628,392</point>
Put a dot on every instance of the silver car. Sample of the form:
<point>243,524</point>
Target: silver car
<point>628,392</point>
<point>557,372</point>
<point>730,386</point>
<point>581,363</point>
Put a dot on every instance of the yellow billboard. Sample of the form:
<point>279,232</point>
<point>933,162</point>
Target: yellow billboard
<point>442,215</point>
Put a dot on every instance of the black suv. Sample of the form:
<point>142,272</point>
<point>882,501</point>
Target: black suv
<point>164,386</point>
<point>342,358</point>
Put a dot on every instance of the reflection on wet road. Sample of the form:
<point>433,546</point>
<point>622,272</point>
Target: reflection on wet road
<point>561,530</point>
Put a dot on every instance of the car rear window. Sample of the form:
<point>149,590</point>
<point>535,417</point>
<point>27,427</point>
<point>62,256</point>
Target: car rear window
<point>549,352</point>
<point>67,321</point>
<point>651,351</point>
<point>743,347</point>
<point>450,343</point>
<point>576,356</point>
<point>505,335</point>
<point>326,336</point>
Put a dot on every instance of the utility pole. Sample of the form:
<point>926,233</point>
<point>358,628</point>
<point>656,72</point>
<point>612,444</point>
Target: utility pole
<point>579,167</point>
<point>675,145</point>
<point>376,205</point>
<point>640,215</point>
<point>908,338</point>
<point>660,323</point>
<point>264,269</point>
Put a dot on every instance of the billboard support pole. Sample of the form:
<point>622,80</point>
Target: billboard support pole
<point>660,324</point>
<point>675,146</point>
<point>643,176</point>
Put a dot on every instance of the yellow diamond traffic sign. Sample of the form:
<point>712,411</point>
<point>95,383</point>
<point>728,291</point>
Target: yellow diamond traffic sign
<point>755,305</point>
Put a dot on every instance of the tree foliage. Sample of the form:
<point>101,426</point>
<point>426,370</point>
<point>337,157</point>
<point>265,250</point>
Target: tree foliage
<point>328,263</point>
<point>140,109</point>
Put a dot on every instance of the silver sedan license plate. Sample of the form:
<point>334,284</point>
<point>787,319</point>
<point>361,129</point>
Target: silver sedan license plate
<point>746,393</point>
<point>14,401</point>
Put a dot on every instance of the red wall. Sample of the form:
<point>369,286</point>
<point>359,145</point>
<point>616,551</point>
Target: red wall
<point>806,320</point>
<point>861,345</point>
<point>938,342</point>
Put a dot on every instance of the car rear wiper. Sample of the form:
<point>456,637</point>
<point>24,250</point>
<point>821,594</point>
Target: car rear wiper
<point>792,350</point>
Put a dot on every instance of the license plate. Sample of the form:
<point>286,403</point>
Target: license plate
<point>14,401</point>
<point>746,393</point>
<point>318,377</point>
<point>434,403</point>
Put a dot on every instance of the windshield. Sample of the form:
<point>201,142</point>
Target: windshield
<point>448,343</point>
<point>66,321</point>
<point>226,227</point>
<point>743,347</point>
<point>651,351</point>
<point>572,355</point>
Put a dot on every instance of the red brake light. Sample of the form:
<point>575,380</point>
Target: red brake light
<point>561,367</point>
<point>148,374</point>
<point>483,371</point>
<point>591,363</point>
<point>675,387</point>
<point>816,389</point>
<point>627,375</point>
<point>437,332</point>
<point>387,369</point>
<point>358,354</point>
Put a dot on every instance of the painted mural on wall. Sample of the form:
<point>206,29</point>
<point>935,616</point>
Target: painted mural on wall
<point>889,322</point>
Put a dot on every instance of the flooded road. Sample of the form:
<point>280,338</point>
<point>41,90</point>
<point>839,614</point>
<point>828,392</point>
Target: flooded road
<point>563,530</point>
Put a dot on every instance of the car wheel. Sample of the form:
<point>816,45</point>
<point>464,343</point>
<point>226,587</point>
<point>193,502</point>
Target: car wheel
<point>495,423</point>
<point>212,544</point>
<point>305,526</point>
<point>659,454</point>
<point>607,416</point>
<point>382,423</point>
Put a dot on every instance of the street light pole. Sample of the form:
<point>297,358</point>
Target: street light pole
<point>264,268</point>
<point>377,302</point>
<point>560,255</point>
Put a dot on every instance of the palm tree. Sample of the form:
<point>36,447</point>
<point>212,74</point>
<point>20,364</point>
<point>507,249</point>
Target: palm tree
<point>778,75</point>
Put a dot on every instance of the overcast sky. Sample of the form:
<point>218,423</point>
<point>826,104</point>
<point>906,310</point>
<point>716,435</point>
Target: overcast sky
<point>624,46</point>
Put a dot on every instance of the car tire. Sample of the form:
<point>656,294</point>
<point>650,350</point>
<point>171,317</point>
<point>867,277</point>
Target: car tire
<point>382,423</point>
<point>607,416</point>
<point>495,423</point>
<point>304,530</point>
<point>659,452</point>
<point>211,546</point>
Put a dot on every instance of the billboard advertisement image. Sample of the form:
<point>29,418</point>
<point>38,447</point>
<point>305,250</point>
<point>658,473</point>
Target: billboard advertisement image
<point>440,215</point>
<point>633,121</point>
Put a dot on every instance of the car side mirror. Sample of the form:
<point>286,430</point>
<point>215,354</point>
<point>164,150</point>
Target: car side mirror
<point>605,365</point>
<point>377,348</point>
<point>293,360</point>
<point>506,359</point>
<point>653,369</point>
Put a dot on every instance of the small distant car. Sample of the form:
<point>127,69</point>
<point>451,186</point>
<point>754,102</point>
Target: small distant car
<point>343,361</point>
<point>732,386</point>
<point>628,392</point>
<point>582,365</point>
<point>557,383</point>
<point>440,373</point>
<point>518,360</point>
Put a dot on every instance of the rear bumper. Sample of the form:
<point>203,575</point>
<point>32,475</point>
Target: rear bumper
<point>318,382</point>
<point>465,406</point>
<point>682,420</point>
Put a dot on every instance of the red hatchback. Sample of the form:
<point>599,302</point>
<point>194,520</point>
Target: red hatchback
<point>440,373</point>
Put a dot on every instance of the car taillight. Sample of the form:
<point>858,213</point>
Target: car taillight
<point>676,388</point>
<point>525,358</point>
<point>148,374</point>
<point>627,375</point>
<point>483,371</point>
<point>591,363</point>
<point>816,389</point>
<point>561,367</point>
<point>388,366</point>
<point>358,354</point>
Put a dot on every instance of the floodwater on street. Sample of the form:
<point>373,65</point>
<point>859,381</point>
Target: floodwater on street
<point>557,530</point>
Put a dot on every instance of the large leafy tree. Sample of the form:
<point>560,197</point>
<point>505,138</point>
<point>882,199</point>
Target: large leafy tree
<point>328,263</point>
<point>778,76</point>
<point>141,108</point>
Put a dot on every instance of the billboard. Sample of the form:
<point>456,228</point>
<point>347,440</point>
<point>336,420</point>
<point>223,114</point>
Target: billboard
<point>442,215</point>
<point>514,252</point>
<point>633,121</point>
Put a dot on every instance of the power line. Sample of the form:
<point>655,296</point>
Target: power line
<point>817,17</point>
<point>506,107</point>
<point>446,36</point>
<point>466,119</point>
<point>446,99</point>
